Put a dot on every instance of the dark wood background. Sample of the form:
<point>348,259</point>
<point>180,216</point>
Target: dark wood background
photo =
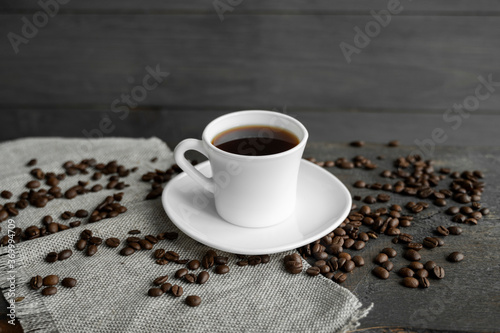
<point>281,55</point>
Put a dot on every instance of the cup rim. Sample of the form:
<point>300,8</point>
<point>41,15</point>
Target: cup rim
<point>299,146</point>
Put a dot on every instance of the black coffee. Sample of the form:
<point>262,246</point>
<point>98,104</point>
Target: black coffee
<point>255,140</point>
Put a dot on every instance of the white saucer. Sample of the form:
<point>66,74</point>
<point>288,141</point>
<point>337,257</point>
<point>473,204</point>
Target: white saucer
<point>323,202</point>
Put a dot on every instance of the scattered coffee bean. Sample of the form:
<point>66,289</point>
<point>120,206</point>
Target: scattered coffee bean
<point>438,272</point>
<point>50,280</point>
<point>454,230</point>
<point>222,269</point>
<point>358,261</point>
<point>68,282</point>
<point>293,263</point>
<point>193,264</point>
<point>415,265</point>
<point>406,272</point>
<point>64,254</point>
<point>202,277</point>
<point>112,242</point>
<point>443,231</point>
<point>166,287</point>
<point>177,291</point>
<point>180,273</point>
<point>155,292</point>
<point>51,257</point>
<point>424,282</point>
<point>455,257</point>
<point>387,265</point>
<point>193,300</point>
<point>160,280</point>
<point>380,272</point>
<point>36,282</point>
<point>390,252</point>
<point>412,255</point>
<point>410,282</point>
<point>190,278</point>
<point>91,250</point>
<point>49,291</point>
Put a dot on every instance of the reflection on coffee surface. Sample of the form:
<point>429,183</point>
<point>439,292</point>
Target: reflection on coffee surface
<point>255,140</point>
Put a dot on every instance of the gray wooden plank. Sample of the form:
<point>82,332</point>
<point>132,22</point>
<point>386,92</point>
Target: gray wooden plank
<point>262,6</point>
<point>252,61</point>
<point>175,125</point>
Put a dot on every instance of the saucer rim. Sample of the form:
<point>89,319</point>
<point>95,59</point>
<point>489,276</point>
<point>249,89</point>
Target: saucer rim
<point>282,248</point>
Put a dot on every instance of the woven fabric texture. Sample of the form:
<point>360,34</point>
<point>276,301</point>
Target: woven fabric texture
<point>111,294</point>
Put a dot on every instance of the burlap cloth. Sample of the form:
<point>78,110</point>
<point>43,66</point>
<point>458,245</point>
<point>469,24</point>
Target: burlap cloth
<point>111,294</point>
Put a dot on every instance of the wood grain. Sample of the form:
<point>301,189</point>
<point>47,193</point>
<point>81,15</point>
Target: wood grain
<point>251,61</point>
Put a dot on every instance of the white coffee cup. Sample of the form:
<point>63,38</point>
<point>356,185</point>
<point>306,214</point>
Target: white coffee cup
<point>249,191</point>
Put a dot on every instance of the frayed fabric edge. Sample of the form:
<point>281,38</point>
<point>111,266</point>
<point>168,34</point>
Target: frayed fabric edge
<point>31,312</point>
<point>359,314</point>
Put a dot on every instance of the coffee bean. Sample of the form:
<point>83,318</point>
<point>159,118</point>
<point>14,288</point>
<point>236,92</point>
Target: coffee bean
<point>424,282</point>
<point>390,252</point>
<point>242,263</point>
<point>405,238</point>
<point>430,265</point>
<point>95,240</point>
<point>193,264</point>
<point>440,241</point>
<point>440,202</point>
<point>33,184</point>
<point>207,261</point>
<point>430,242</point>
<point>50,280</point>
<point>36,282</point>
<point>81,244</point>
<point>81,213</point>
<point>75,224</point>
<point>455,257</point>
<point>193,300</point>
<point>134,232</point>
<point>171,255</point>
<point>381,258</point>
<point>442,230</point>
<point>459,218</point>
<point>358,261</point>
<point>160,280</point>
<point>348,266</point>
<point>387,265</point>
<point>415,265</point>
<point>96,188</point>
<point>202,277</point>
<point>369,199</point>
<point>410,282</point>
<point>177,291</point>
<point>265,258</point>
<point>161,261</point>
<point>32,162</point>
<point>68,282</point>
<point>452,210</point>
<point>438,272</point>
<point>112,242</point>
<point>357,143</point>
<point>159,253</point>
<point>222,269</point>
<point>152,239</point>
<point>360,184</point>
<point>86,234</point>
<point>406,272</point>
<point>51,257</point>
<point>52,228</point>
<point>64,254</point>
<point>255,260</point>
<point>380,272</point>
<point>91,250</point>
<point>313,271</point>
<point>145,245</point>
<point>359,245</point>
<point>6,194</point>
<point>422,273</point>
<point>382,197</point>
<point>166,287</point>
<point>412,255</point>
<point>190,278</point>
<point>454,230</point>
<point>49,291</point>
<point>155,292</point>
<point>415,246</point>
<point>485,211</point>
<point>348,243</point>
<point>180,273</point>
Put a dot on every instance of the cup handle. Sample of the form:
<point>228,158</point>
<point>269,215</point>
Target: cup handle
<point>187,167</point>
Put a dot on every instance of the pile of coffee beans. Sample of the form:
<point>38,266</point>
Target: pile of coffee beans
<point>159,177</point>
<point>50,282</point>
<point>414,177</point>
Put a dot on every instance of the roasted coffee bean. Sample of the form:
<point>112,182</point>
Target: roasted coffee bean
<point>166,287</point>
<point>313,271</point>
<point>438,272</point>
<point>430,242</point>
<point>81,244</point>
<point>358,261</point>
<point>424,282</point>
<point>348,266</point>
<point>410,282</point>
<point>360,184</point>
<point>145,245</point>
<point>348,243</point>
<point>440,202</point>
<point>49,291</point>
<point>112,242</point>
<point>161,261</point>
<point>152,239</point>
<point>207,261</point>
<point>430,265</point>
<point>452,210</point>
<point>177,291</point>
<point>443,231</point>
<point>454,230</point>
<point>95,240</point>
<point>405,238</point>
<point>6,194</point>
<point>36,282</point>
<point>180,273</point>
<point>52,228</point>
<point>387,265</point>
<point>485,211</point>
<point>380,272</point>
<point>190,278</point>
<point>222,269</point>
<point>91,250</point>
<point>265,258</point>
<point>50,280</point>
<point>381,258</point>
<point>369,200</point>
<point>75,224</point>
<point>33,184</point>
<point>415,265</point>
<point>202,277</point>
<point>357,143</point>
<point>193,264</point>
<point>406,272</point>
<point>358,245</point>
<point>64,254</point>
<point>81,213</point>
<point>382,197</point>
<point>86,234</point>
<point>422,273</point>
<point>159,253</point>
<point>193,300</point>
<point>32,162</point>
<point>415,246</point>
<point>96,188</point>
<point>51,257</point>
<point>412,255</point>
<point>460,218</point>
<point>344,255</point>
<point>133,240</point>
<point>317,255</point>
<point>160,280</point>
<point>134,232</point>
<point>440,241</point>
<point>255,260</point>
<point>171,255</point>
<point>171,235</point>
<point>455,257</point>
<point>69,282</point>
<point>155,292</point>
